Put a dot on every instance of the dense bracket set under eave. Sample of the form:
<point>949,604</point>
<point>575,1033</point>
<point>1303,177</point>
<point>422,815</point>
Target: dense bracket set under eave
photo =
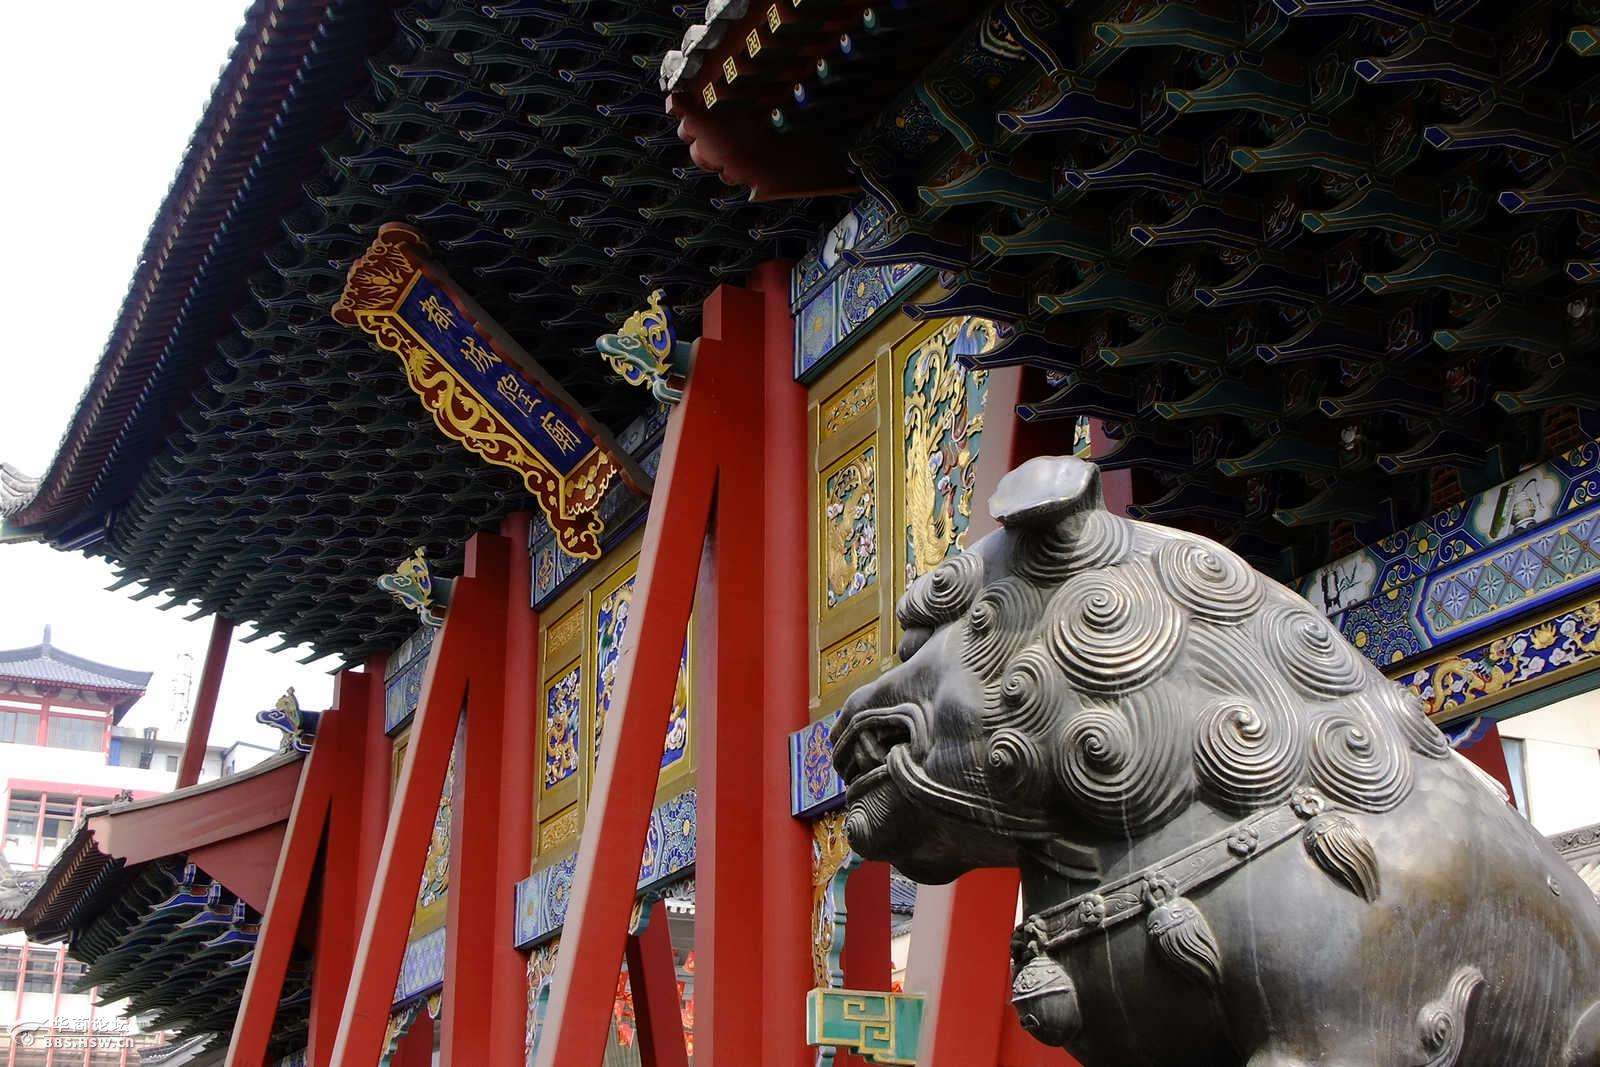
<point>1318,272</point>
<point>531,148</point>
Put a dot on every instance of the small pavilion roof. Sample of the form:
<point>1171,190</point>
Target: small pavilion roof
<point>45,664</point>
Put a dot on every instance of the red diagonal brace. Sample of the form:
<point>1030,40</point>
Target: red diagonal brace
<point>657,1010</point>
<point>475,622</point>
<point>297,859</point>
<point>713,445</point>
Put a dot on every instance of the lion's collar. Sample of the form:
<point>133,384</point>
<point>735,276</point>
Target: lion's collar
<point>1205,861</point>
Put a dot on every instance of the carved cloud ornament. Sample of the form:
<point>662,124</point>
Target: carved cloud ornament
<point>1226,818</point>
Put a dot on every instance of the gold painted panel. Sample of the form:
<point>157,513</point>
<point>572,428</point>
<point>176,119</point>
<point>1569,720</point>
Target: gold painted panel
<point>849,534</point>
<point>558,830</point>
<point>843,663</point>
<point>942,425</point>
<point>434,890</point>
<point>854,402</point>
<point>582,655</point>
<point>565,636</point>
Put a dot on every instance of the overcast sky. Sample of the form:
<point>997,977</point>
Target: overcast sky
<point>96,121</point>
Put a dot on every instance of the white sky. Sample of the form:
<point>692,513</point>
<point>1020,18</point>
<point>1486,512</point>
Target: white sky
<point>92,138</point>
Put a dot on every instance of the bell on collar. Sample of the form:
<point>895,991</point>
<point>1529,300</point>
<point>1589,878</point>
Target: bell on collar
<point>1046,1001</point>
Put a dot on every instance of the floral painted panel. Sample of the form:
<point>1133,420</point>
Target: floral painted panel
<point>677,746</point>
<point>850,527</point>
<point>611,626</point>
<point>562,714</point>
<point>434,888</point>
<point>942,425</point>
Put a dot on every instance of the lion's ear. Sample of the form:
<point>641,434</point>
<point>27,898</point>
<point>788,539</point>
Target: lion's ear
<point>1045,489</point>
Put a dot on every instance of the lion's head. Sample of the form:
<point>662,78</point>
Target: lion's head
<point>1076,676</point>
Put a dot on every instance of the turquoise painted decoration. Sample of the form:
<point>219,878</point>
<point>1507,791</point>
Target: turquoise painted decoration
<point>646,351</point>
<point>299,727</point>
<point>413,587</point>
<point>878,1027</point>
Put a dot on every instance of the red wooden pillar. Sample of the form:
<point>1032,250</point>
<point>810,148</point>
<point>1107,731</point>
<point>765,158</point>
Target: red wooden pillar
<point>712,442</point>
<point>514,819</point>
<point>475,623</point>
<point>340,899</point>
<point>866,960</point>
<point>728,773</point>
<point>653,978</point>
<point>960,942</point>
<point>376,771</point>
<point>205,702</point>
<point>475,942</point>
<point>415,1049</point>
<point>785,916</point>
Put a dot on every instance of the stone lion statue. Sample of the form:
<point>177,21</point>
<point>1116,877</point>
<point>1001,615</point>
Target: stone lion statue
<point>1239,843</point>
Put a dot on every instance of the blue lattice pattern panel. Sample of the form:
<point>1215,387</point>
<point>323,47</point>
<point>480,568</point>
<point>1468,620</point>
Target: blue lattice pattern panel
<point>814,786</point>
<point>832,301</point>
<point>402,685</point>
<point>669,851</point>
<point>1523,544</point>
<point>422,968</point>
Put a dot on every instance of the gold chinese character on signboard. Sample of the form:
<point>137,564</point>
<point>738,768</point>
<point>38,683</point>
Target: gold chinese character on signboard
<point>560,432</point>
<point>752,43</point>
<point>730,70</point>
<point>511,387</point>
<point>477,355</point>
<point>436,313</point>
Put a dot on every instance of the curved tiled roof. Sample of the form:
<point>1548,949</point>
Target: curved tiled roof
<point>263,462</point>
<point>49,665</point>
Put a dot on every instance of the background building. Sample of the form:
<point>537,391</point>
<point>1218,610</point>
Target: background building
<point>61,752</point>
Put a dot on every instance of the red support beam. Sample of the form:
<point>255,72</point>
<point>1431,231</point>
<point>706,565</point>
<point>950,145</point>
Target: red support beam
<point>514,819</point>
<point>476,621</point>
<point>653,978</point>
<point>376,773</point>
<point>340,899</point>
<point>867,960</point>
<point>729,618</point>
<point>475,940</point>
<point>205,702</point>
<point>619,809</point>
<point>785,916</point>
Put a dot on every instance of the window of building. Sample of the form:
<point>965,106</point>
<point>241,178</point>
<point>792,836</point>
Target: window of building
<point>19,727</point>
<point>57,827</point>
<point>40,976</point>
<point>22,828</point>
<point>172,763</point>
<point>10,967</point>
<point>70,731</point>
